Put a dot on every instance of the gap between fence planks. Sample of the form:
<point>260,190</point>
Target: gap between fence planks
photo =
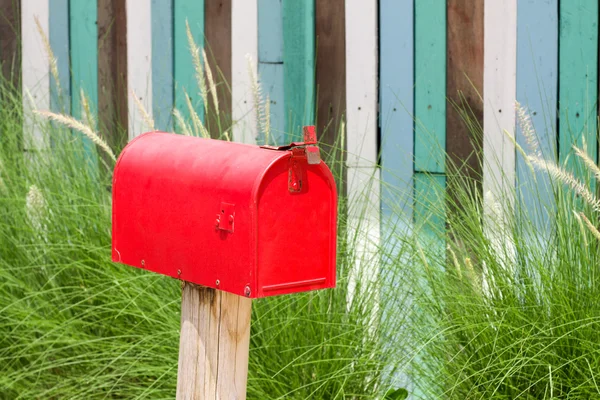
<point>213,349</point>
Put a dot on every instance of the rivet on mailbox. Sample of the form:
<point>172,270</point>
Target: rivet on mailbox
<point>250,221</point>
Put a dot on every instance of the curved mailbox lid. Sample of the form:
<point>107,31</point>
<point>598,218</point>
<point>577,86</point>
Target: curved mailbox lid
<point>168,192</point>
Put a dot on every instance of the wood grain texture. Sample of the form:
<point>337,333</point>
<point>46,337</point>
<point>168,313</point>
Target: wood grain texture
<point>244,58</point>
<point>499,91</point>
<point>112,72</point>
<point>162,64</point>
<point>214,344</point>
<point>396,91</point>
<point>361,83</point>
<point>330,73</point>
<point>217,33</point>
<point>83,38</point>
<point>430,85</point>
<point>60,92</point>
<point>36,71</point>
<point>191,11</point>
<point>578,79</point>
<point>298,66</point>
<point>464,88</point>
<point>139,64</point>
<point>10,31</point>
<point>537,86</point>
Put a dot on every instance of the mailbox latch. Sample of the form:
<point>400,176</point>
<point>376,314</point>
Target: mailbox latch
<point>307,148</point>
<point>226,217</point>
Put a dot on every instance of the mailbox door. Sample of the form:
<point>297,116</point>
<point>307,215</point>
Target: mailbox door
<point>296,232</point>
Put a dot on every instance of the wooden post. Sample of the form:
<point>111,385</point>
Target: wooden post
<point>213,349</point>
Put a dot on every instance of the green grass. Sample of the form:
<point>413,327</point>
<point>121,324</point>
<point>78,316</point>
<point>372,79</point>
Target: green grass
<point>75,325</point>
<point>508,310</point>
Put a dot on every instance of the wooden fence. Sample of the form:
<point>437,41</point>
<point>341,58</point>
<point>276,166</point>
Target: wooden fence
<point>393,70</point>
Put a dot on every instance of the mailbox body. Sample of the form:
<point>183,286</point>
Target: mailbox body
<point>223,215</point>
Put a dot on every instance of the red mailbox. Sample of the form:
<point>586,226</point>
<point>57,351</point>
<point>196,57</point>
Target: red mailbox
<point>253,221</point>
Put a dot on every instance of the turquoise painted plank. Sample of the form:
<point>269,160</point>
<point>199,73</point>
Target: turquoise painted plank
<point>430,85</point>
<point>270,31</point>
<point>183,66</point>
<point>59,42</point>
<point>271,82</point>
<point>578,79</point>
<point>83,40</point>
<point>430,204</point>
<point>396,58</point>
<point>298,65</point>
<point>162,63</point>
<point>537,86</point>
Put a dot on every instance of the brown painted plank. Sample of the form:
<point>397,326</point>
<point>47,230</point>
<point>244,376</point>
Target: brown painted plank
<point>464,88</point>
<point>330,68</point>
<point>217,31</point>
<point>112,72</point>
<point>330,81</point>
<point>10,29</point>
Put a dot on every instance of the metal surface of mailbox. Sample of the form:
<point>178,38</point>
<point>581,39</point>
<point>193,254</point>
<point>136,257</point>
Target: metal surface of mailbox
<point>245,219</point>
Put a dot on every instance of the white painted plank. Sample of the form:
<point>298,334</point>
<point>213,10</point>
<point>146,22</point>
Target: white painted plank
<point>139,64</point>
<point>244,58</point>
<point>364,227</point>
<point>35,69</point>
<point>361,82</point>
<point>499,91</point>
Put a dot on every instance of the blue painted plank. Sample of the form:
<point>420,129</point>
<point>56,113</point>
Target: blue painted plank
<point>298,66</point>
<point>59,42</point>
<point>270,31</point>
<point>396,70</point>
<point>183,66</point>
<point>537,85</point>
<point>162,63</point>
<point>83,40</point>
<point>271,82</point>
<point>270,67</point>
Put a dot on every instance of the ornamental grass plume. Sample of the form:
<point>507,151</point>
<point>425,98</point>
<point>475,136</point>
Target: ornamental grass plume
<point>79,126</point>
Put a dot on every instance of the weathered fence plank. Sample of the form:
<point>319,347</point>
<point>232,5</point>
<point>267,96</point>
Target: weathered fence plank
<point>217,32</point>
<point>10,31</point>
<point>244,42</point>
<point>35,70</point>
<point>112,71</point>
<point>430,104</point>
<point>83,39</point>
<point>330,70</point>
<point>464,88</point>
<point>361,83</point>
<point>162,63</point>
<point>192,12</point>
<point>578,79</point>
<point>270,68</point>
<point>537,86</point>
<point>396,120</point>
<point>298,66</point>
<point>499,91</point>
<point>139,64</point>
<point>59,42</point>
